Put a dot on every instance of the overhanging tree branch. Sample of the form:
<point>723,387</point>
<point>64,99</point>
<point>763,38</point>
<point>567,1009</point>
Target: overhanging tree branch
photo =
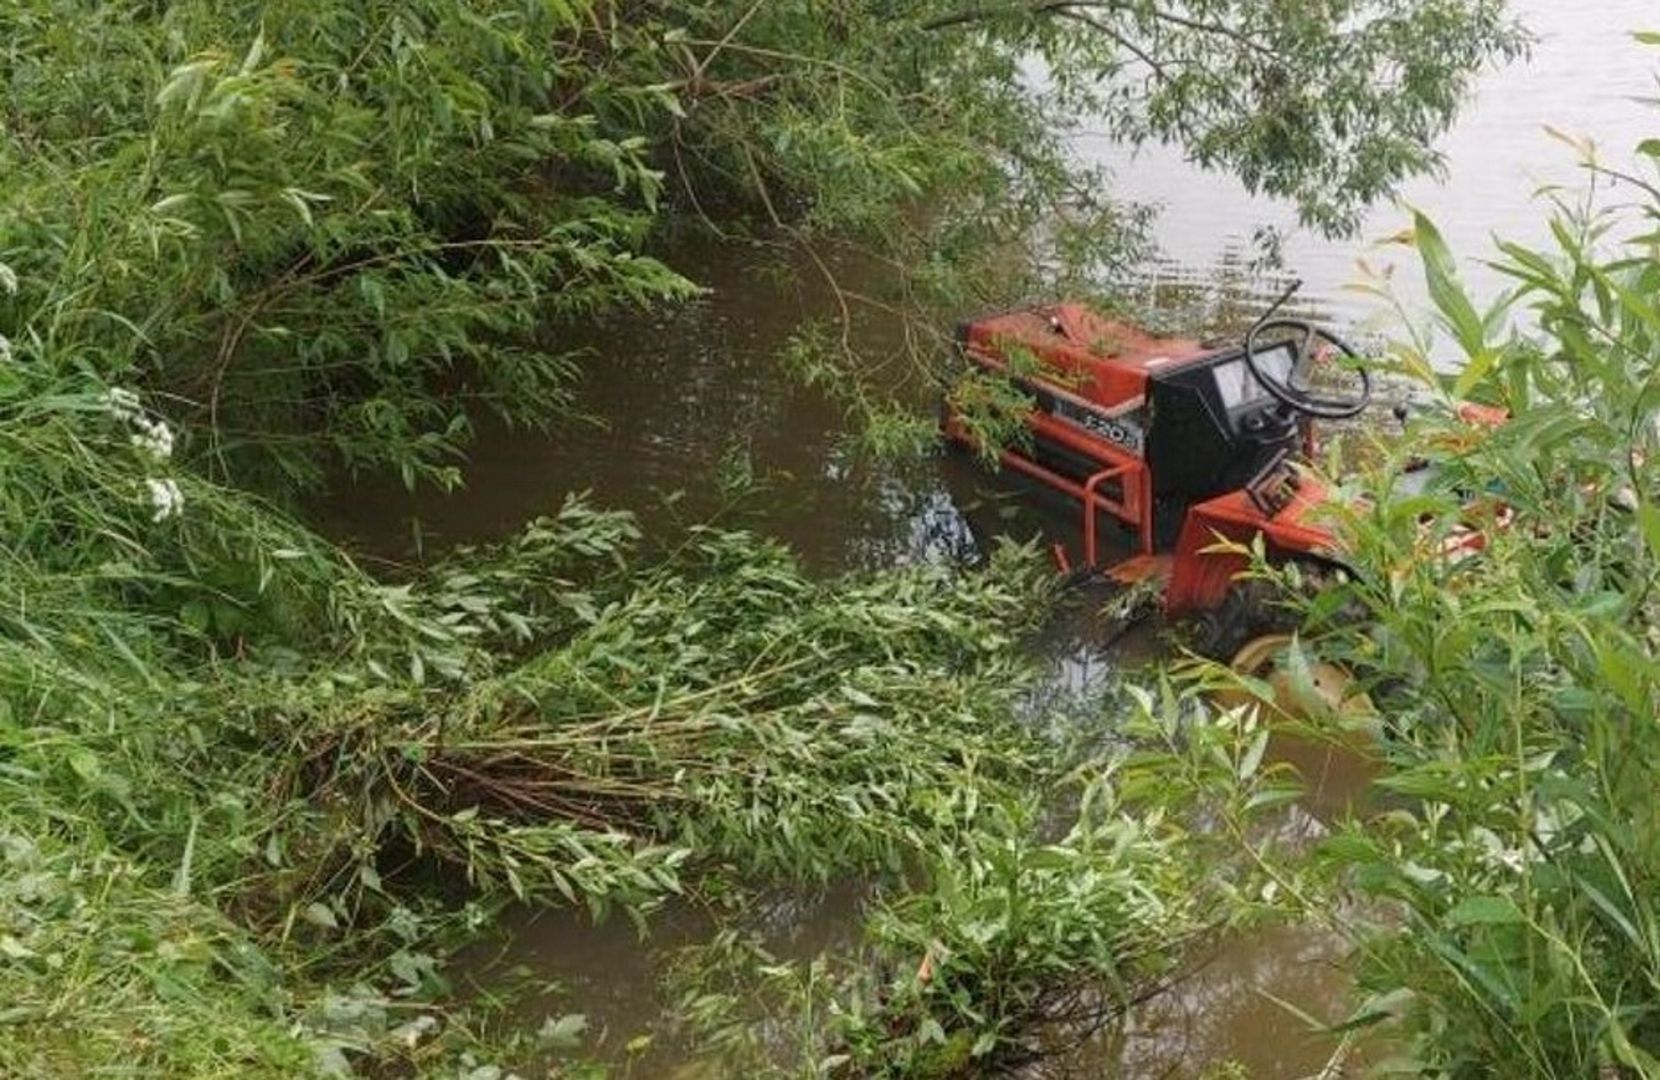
<point>1071,7</point>
<point>982,14</point>
<point>1156,66</point>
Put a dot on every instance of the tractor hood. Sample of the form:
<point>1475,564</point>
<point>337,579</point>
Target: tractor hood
<point>1102,360</point>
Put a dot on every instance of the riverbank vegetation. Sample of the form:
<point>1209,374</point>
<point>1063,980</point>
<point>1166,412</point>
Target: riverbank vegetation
<point>239,773</point>
<point>1511,878</point>
<point>251,795</point>
<point>333,234</point>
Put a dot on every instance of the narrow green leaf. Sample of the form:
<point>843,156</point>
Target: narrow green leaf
<point>318,914</point>
<point>1485,910</point>
<point>1441,276</point>
<point>1648,518</point>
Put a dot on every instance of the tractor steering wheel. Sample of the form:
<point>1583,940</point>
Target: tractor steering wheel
<point>1294,390</point>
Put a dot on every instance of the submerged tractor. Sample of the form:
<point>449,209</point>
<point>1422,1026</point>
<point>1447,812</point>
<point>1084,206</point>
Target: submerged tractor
<point>1175,442</point>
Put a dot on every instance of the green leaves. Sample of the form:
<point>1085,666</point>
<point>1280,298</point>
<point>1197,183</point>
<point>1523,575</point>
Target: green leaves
<point>240,178</point>
<point>330,239</point>
<point>1517,680</point>
<point>1329,108</point>
<point>1484,911</point>
<point>1441,276</point>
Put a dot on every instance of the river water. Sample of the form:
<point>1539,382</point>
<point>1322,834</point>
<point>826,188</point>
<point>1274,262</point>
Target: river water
<point>683,400</point>
<point>1585,78</point>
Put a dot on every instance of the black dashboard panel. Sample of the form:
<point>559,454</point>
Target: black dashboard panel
<point>1214,426</point>
<point>1238,389</point>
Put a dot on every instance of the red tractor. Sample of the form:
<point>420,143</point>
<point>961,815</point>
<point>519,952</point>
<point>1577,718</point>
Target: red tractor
<point>1176,441</point>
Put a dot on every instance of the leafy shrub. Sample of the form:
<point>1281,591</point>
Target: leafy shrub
<point>333,233</point>
<point>1512,876</point>
<point>219,738</point>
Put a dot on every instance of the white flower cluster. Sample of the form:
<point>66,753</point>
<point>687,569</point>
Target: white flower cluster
<point>153,439</point>
<point>165,497</point>
<point>122,404</point>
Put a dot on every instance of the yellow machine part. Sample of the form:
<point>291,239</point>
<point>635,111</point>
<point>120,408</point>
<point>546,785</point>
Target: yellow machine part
<point>1327,731</point>
<point>1332,686</point>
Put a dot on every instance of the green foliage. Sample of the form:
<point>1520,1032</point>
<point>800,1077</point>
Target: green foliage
<point>1330,105</point>
<point>1077,894</point>
<point>101,968</point>
<point>305,219</point>
<point>1014,934</point>
<point>725,709</point>
<point>252,242</point>
<point>219,739</point>
<point>331,232</point>
<point>1513,875</point>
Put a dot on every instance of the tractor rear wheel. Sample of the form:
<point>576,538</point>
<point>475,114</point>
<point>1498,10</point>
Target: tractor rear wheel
<point>1330,689</point>
<point>1259,607</point>
<point>1252,609</point>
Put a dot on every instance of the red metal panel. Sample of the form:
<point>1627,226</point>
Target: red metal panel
<point>1200,580</point>
<point>1100,359</point>
<point>1047,427</point>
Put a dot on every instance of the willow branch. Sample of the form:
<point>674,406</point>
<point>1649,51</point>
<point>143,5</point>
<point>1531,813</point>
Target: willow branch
<point>1060,7</point>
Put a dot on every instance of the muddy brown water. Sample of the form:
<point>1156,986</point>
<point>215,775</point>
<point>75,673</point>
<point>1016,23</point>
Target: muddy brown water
<point>684,399</point>
<point>683,405</point>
